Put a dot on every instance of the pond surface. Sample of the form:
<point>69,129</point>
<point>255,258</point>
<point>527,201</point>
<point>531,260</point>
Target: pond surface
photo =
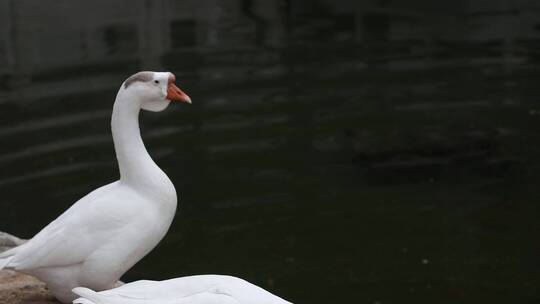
<point>324,172</point>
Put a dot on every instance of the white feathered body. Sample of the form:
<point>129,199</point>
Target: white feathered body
<point>95,241</point>
<point>200,289</point>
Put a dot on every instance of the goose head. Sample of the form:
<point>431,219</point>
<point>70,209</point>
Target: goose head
<point>153,90</point>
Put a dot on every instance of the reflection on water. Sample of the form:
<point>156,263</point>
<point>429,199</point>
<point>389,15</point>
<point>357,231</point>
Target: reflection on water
<point>335,151</point>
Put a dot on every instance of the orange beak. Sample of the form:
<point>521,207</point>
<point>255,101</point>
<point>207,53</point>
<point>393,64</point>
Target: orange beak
<point>174,93</point>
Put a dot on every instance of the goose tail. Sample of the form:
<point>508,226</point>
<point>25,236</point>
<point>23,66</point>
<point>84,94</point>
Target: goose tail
<point>9,246</point>
<point>4,262</point>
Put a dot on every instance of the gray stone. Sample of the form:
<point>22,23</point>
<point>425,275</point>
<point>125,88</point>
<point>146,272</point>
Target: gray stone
<point>19,288</point>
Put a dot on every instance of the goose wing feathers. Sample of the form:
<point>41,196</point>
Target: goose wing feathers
<point>78,229</point>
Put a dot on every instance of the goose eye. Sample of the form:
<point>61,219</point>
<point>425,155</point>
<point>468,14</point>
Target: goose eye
<point>156,82</point>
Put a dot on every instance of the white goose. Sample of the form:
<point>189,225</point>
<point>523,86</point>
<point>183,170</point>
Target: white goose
<point>107,231</point>
<point>200,289</point>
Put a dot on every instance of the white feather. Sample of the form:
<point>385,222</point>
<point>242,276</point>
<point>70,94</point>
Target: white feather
<point>82,301</point>
<point>86,296</point>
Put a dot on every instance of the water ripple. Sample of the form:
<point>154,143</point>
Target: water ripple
<point>54,122</point>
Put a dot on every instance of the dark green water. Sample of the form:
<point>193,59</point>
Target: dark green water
<point>343,172</point>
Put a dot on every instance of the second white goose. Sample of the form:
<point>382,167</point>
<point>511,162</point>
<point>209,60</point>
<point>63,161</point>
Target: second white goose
<point>199,289</point>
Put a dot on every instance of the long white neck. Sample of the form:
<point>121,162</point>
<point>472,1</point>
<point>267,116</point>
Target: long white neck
<point>136,166</point>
